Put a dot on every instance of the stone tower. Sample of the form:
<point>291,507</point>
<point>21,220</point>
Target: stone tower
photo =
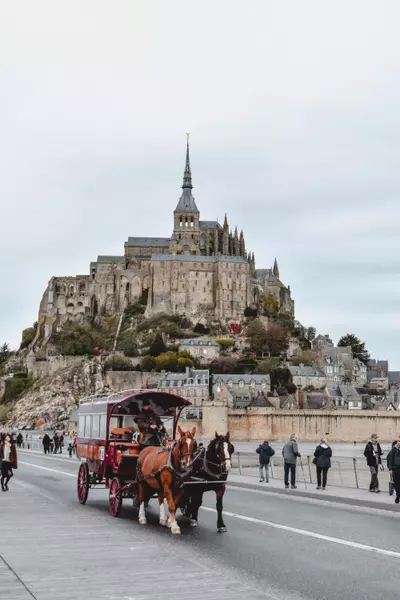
<point>186,236</point>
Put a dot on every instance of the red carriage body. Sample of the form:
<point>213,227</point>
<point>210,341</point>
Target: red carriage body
<point>107,440</point>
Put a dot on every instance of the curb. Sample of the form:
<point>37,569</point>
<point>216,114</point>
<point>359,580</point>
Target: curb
<point>325,498</point>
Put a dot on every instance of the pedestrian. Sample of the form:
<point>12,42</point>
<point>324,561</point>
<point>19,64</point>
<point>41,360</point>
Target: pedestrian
<point>70,449</point>
<point>61,442</point>
<point>322,460</point>
<point>20,440</point>
<point>74,443</point>
<point>56,440</point>
<point>46,443</point>
<point>264,452</point>
<point>8,456</point>
<point>290,453</point>
<point>394,468</point>
<point>373,454</point>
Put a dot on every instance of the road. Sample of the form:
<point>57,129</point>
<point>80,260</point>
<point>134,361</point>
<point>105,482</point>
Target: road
<point>279,547</point>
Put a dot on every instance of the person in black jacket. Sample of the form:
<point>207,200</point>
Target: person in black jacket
<point>322,454</point>
<point>373,454</point>
<point>394,468</point>
<point>264,452</point>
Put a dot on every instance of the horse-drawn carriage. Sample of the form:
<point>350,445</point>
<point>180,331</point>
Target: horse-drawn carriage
<point>110,446</point>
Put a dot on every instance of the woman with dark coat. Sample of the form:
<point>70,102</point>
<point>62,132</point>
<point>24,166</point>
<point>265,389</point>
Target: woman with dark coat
<point>322,460</point>
<point>373,453</point>
<point>8,454</point>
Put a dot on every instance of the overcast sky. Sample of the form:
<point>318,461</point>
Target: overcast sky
<point>293,109</point>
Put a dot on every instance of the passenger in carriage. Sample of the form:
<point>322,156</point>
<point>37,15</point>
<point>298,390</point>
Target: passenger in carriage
<point>150,426</point>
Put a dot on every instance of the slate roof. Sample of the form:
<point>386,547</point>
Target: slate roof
<point>199,258</point>
<point>209,225</point>
<point>180,379</point>
<point>147,241</point>
<point>197,342</point>
<point>316,401</point>
<point>306,371</point>
<point>394,377</point>
<point>110,259</point>
<point>261,401</point>
<point>186,202</point>
<point>245,377</point>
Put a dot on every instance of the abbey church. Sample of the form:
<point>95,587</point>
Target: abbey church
<point>202,271</point>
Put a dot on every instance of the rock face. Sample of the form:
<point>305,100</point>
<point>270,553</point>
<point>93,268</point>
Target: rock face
<point>53,396</point>
<point>51,399</point>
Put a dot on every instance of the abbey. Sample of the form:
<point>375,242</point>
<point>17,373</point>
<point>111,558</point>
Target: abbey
<point>202,271</point>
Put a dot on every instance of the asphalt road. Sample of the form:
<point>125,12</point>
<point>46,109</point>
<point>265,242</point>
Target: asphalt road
<point>287,548</point>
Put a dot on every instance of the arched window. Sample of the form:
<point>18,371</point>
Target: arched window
<point>71,290</point>
<point>82,288</point>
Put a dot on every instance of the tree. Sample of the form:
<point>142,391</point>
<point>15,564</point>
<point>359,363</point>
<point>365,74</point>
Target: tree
<point>307,358</point>
<point>158,346</point>
<point>127,343</point>
<point>357,347</point>
<point>184,361</point>
<point>225,364</point>
<point>280,378</point>
<point>167,361</point>
<point>148,363</point>
<point>28,336</point>
<point>5,352</point>
<point>118,363</point>
<point>200,328</point>
<point>277,339</point>
<point>270,305</point>
<point>256,335</point>
<point>266,365</point>
<point>226,345</point>
<point>250,312</point>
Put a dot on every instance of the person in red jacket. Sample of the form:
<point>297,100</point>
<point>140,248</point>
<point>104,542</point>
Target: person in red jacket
<point>8,454</point>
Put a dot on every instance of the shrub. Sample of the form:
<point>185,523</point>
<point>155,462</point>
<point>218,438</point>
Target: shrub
<point>200,328</point>
<point>167,361</point>
<point>118,363</point>
<point>158,346</point>
<point>250,312</point>
<point>291,388</point>
<point>78,340</point>
<point>226,344</point>
<point>28,336</point>
<point>15,387</point>
<point>127,343</point>
<point>148,363</point>
<point>4,410</point>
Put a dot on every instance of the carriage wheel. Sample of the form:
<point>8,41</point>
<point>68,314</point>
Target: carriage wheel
<point>83,483</point>
<point>115,497</point>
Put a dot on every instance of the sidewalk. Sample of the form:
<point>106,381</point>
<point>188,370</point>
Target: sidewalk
<point>344,495</point>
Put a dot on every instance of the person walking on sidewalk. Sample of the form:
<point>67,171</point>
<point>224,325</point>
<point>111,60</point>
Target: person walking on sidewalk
<point>394,468</point>
<point>8,456</point>
<point>46,443</point>
<point>264,452</point>
<point>322,460</point>
<point>290,453</point>
<point>373,454</point>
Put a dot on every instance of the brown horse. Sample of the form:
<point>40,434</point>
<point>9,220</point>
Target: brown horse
<point>159,471</point>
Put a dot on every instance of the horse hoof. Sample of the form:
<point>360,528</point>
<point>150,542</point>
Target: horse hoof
<point>163,522</point>
<point>222,529</point>
<point>193,523</point>
<point>169,524</point>
<point>143,521</point>
<point>175,530</point>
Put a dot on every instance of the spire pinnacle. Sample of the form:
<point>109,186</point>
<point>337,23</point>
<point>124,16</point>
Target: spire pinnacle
<point>275,269</point>
<point>187,176</point>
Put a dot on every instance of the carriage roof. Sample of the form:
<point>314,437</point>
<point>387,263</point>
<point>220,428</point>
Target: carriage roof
<point>103,401</point>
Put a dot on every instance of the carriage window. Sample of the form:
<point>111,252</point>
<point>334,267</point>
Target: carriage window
<point>88,427</point>
<point>95,426</point>
<point>81,426</point>
<point>103,427</point>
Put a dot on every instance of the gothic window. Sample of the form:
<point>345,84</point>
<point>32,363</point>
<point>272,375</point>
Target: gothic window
<point>186,222</point>
<point>71,290</point>
<point>180,223</point>
<point>82,288</point>
<point>191,221</point>
<point>127,288</point>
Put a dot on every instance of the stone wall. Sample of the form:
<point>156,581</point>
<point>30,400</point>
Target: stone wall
<point>53,364</point>
<point>125,380</point>
<point>338,426</point>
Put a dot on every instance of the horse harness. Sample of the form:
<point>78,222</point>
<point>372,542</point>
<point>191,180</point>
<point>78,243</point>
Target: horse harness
<point>157,474</point>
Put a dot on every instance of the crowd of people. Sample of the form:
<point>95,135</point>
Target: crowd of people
<point>322,460</point>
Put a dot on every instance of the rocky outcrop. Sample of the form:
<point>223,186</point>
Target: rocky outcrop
<point>51,398</point>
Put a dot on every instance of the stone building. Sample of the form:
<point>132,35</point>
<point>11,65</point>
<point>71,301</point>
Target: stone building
<point>243,388</point>
<point>202,270</point>
<point>203,349</point>
<point>308,376</point>
<point>192,385</point>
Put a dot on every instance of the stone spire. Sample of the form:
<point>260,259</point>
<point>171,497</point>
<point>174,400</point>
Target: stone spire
<point>275,269</point>
<point>186,202</point>
<point>225,237</point>
<point>242,245</point>
<point>236,243</point>
<point>187,175</point>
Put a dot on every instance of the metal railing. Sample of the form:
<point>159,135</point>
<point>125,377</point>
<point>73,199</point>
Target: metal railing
<point>344,472</point>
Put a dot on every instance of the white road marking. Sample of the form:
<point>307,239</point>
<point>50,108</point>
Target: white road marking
<point>47,469</point>
<point>305,532</point>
